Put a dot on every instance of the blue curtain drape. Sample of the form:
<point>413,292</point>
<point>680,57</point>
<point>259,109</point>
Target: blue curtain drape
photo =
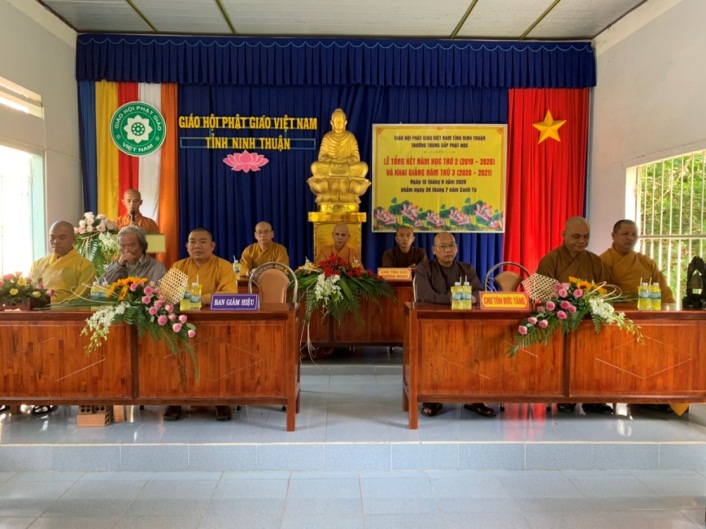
<point>342,62</point>
<point>374,81</point>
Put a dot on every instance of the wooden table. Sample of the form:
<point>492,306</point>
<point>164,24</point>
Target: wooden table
<point>460,356</point>
<point>384,323</point>
<point>243,358</point>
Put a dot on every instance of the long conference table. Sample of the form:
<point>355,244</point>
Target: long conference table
<point>460,356</point>
<point>242,358</point>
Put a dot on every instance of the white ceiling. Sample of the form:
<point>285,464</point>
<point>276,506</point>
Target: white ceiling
<point>439,19</point>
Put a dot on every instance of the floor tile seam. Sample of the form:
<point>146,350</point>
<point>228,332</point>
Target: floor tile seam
<point>343,442</point>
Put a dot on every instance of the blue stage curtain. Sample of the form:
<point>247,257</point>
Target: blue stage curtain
<point>279,193</point>
<point>342,62</point>
<point>87,127</point>
<point>374,81</point>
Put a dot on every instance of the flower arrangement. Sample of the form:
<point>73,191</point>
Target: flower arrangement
<point>96,240</point>
<point>569,305</point>
<point>16,290</point>
<point>138,302</point>
<point>337,287</point>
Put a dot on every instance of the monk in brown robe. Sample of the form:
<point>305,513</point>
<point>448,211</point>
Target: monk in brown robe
<point>572,259</point>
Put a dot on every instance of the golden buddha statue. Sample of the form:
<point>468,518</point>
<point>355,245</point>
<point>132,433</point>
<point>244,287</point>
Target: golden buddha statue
<point>338,176</point>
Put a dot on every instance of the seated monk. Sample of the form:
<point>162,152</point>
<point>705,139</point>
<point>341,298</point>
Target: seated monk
<point>404,255</point>
<point>628,267</point>
<point>572,259</point>
<point>265,250</point>
<point>64,270</point>
<point>338,155</point>
<point>215,275</point>
<point>339,248</point>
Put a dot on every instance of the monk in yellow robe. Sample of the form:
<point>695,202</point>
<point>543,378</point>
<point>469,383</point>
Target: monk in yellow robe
<point>627,267</point>
<point>132,200</point>
<point>572,259</point>
<point>265,250</point>
<point>339,248</point>
<point>64,270</point>
<point>215,275</point>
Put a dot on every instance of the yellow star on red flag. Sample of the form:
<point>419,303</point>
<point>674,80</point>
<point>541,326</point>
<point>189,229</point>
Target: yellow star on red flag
<point>548,128</point>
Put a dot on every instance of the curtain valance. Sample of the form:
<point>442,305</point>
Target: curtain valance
<point>334,62</point>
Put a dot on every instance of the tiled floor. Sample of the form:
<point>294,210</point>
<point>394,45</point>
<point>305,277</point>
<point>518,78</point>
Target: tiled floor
<point>354,463</point>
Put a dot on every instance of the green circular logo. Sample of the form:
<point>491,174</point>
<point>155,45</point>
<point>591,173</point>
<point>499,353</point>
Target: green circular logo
<point>137,128</point>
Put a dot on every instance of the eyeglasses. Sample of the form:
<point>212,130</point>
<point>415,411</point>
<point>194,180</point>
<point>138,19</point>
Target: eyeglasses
<point>446,247</point>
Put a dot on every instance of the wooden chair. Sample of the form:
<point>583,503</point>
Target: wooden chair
<point>273,281</point>
<point>505,280</point>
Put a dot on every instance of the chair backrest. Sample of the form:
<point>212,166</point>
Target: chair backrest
<point>273,281</point>
<point>414,288</point>
<point>506,280</point>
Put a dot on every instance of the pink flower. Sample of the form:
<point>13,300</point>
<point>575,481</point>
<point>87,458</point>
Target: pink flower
<point>169,308</point>
<point>159,303</point>
<point>550,305</point>
<point>578,293</point>
<point>153,311</point>
<point>565,304</point>
<point>522,330</point>
<point>435,220</point>
<point>50,292</point>
<point>563,293</point>
<point>543,324</point>
<point>149,290</point>
<point>162,320</point>
<point>183,318</point>
<point>561,315</point>
<point>191,333</point>
<point>133,287</point>
<point>172,317</point>
<point>459,218</point>
<point>572,309</point>
<point>483,211</point>
<point>176,327</point>
<point>410,211</point>
<point>384,216</point>
<point>146,299</point>
<point>245,161</point>
<point>532,320</point>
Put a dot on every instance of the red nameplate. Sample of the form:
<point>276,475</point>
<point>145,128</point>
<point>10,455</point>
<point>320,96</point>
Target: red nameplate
<point>395,274</point>
<point>504,301</point>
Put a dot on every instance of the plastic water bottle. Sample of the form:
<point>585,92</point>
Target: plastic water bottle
<point>456,296</point>
<point>656,296</point>
<point>643,297</point>
<point>185,303</point>
<point>467,296</point>
<point>236,268</point>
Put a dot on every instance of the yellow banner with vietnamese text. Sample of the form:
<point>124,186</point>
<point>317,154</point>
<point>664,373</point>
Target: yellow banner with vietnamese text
<point>437,178</point>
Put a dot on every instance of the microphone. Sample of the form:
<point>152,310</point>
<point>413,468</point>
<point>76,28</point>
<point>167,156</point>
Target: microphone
<point>132,216</point>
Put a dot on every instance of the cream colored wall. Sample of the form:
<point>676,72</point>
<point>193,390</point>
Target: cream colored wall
<point>39,53</point>
<point>649,102</point>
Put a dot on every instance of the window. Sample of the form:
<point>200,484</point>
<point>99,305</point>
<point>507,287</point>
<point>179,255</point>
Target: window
<point>670,210</point>
<point>22,231</point>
